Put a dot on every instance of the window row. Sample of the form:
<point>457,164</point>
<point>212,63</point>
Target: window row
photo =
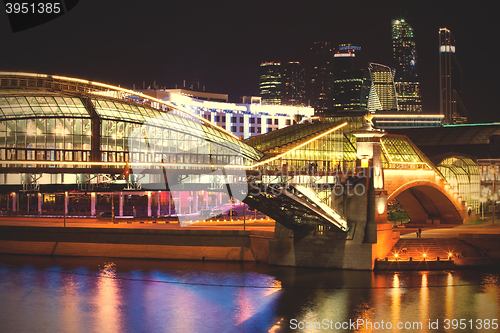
<point>44,155</point>
<point>183,158</point>
<point>252,120</point>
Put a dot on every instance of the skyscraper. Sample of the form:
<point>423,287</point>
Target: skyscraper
<point>343,60</point>
<point>351,90</point>
<point>270,83</point>
<point>321,88</point>
<point>293,84</point>
<point>382,96</point>
<point>351,87</point>
<point>405,64</point>
<point>450,81</point>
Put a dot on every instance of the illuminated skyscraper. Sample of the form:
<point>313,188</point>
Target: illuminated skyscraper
<point>405,64</point>
<point>270,83</point>
<point>321,89</point>
<point>450,81</point>
<point>293,90</point>
<point>343,60</point>
<point>382,96</point>
<point>351,86</point>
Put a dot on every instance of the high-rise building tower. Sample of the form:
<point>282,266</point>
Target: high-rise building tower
<point>343,60</point>
<point>405,64</point>
<point>351,90</point>
<point>293,91</point>
<point>321,88</point>
<point>270,83</point>
<point>382,96</point>
<point>450,81</point>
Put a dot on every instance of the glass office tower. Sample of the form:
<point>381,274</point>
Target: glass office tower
<point>405,65</point>
<point>270,83</point>
<point>382,96</point>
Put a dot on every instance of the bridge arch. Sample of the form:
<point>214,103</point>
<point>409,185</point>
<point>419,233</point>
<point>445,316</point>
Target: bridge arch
<point>425,200</point>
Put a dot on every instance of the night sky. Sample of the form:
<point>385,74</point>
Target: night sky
<point>223,42</point>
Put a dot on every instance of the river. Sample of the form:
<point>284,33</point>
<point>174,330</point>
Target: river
<point>64,294</point>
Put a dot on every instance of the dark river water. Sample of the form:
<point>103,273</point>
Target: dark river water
<point>46,294</point>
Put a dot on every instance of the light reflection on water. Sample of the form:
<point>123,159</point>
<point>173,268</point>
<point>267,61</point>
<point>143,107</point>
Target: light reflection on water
<point>46,294</point>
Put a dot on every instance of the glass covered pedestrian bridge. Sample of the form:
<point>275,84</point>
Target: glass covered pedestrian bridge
<point>52,124</point>
<point>62,134</point>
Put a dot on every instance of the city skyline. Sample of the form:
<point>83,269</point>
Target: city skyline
<point>123,44</point>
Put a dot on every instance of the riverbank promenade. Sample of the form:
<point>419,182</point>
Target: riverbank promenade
<point>250,224</point>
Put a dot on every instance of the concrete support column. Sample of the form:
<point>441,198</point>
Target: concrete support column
<point>149,204</point>
<point>92,203</point>
<point>40,199</point>
<point>205,198</point>
<point>158,209</point>
<point>378,174</point>
<point>219,199</point>
<point>120,209</point>
<point>378,184</point>
<point>169,203</point>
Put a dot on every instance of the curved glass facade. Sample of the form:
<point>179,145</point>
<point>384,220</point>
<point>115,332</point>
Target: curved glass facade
<point>43,126</point>
<point>84,122</point>
<point>399,152</point>
<point>463,174</point>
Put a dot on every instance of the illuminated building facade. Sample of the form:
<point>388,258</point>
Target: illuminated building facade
<point>397,120</point>
<point>382,96</point>
<point>293,81</point>
<point>270,83</point>
<point>351,90</point>
<point>241,119</point>
<point>450,80</point>
<point>321,88</point>
<point>60,134</point>
<point>405,65</point>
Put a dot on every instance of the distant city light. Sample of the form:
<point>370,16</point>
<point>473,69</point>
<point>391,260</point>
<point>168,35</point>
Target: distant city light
<point>447,48</point>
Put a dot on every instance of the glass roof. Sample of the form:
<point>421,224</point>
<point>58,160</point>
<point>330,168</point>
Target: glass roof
<point>138,114</point>
<point>34,104</point>
<point>400,150</point>
<point>16,103</point>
